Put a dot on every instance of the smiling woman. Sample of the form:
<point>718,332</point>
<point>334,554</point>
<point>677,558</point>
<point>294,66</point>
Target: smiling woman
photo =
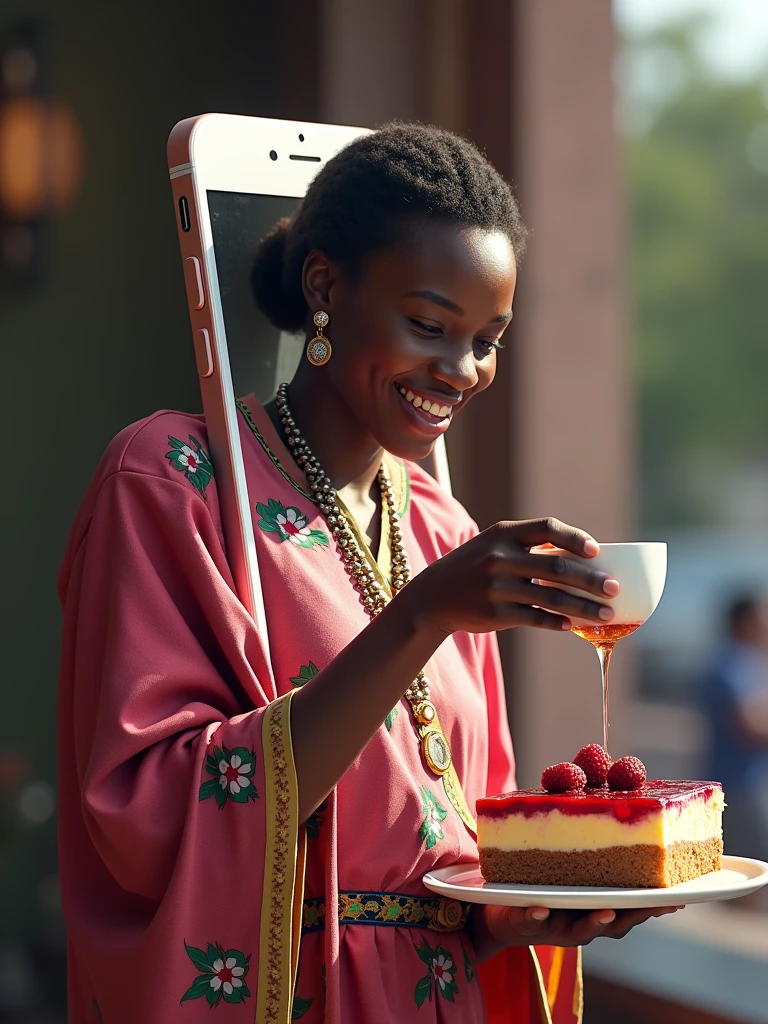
<point>381,719</point>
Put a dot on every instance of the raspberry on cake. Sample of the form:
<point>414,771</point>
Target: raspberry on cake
<point>654,836</point>
<point>626,773</point>
<point>594,762</point>
<point>563,778</point>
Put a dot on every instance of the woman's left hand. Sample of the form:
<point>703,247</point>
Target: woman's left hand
<point>493,927</point>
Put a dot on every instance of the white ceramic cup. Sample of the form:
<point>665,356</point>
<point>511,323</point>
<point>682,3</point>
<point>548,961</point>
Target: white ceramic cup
<point>641,570</point>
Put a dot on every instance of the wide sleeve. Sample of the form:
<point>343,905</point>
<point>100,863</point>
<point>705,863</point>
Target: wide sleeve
<point>180,848</point>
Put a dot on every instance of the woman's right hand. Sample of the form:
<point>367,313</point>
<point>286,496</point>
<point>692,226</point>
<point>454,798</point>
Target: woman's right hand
<point>487,583</point>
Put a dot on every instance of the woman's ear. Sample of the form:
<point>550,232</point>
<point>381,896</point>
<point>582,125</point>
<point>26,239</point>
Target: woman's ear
<point>317,280</point>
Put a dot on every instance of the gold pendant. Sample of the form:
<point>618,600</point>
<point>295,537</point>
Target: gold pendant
<point>436,751</point>
<point>424,712</point>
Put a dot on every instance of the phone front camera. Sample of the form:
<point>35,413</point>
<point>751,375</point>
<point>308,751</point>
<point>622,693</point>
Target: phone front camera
<point>272,155</point>
<point>301,138</point>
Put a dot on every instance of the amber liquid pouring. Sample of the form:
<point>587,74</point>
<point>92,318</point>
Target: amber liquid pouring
<point>609,633</point>
<point>603,637</point>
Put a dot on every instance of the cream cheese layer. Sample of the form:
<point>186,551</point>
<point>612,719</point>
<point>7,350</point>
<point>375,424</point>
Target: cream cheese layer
<point>695,821</point>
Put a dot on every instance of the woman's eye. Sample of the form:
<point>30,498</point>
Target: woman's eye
<point>428,328</point>
<point>489,346</point>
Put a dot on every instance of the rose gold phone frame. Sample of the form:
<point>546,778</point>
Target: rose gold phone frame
<point>225,152</point>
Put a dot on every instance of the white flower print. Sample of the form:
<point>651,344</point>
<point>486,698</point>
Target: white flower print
<point>431,829</point>
<point>441,968</point>
<point>192,460</point>
<point>227,975</point>
<point>188,459</point>
<point>234,774</point>
<point>221,974</point>
<point>434,819</point>
<point>293,525</point>
<point>288,523</point>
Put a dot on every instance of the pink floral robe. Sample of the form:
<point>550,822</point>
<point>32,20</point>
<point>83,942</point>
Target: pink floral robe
<point>182,857</point>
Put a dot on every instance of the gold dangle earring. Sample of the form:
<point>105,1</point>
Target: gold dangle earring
<point>319,349</point>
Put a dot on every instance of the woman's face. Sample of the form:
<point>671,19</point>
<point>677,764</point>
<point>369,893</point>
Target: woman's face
<point>419,331</point>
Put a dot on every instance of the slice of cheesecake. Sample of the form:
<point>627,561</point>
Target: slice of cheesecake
<point>652,837</point>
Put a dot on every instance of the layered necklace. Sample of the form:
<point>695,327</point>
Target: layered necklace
<point>375,591</point>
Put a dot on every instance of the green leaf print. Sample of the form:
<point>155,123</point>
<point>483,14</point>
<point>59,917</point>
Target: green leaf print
<point>199,987</point>
<point>318,537</point>
<point>300,1007</point>
<point>440,976</point>
<point>425,952</point>
<point>208,789</point>
<point>469,967</point>
<point>306,672</point>
<point>423,990</point>
<point>390,718</point>
<point>202,961</point>
<point>288,523</point>
<point>192,460</point>
<point>431,829</point>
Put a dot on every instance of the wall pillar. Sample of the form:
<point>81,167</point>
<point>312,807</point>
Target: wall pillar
<point>531,83</point>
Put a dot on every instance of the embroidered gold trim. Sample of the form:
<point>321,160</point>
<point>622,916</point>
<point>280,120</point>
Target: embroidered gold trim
<point>401,481</point>
<point>541,992</point>
<point>283,869</point>
<point>454,792</point>
<point>578,989</point>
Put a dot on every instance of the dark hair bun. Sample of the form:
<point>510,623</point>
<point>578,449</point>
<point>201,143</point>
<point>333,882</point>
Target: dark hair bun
<point>268,281</point>
<point>365,198</point>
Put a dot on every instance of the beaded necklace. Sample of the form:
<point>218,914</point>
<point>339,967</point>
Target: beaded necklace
<point>374,593</point>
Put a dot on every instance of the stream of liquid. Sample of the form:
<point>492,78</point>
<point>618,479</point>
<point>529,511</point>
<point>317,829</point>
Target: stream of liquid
<point>603,637</point>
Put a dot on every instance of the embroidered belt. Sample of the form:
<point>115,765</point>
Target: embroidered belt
<point>389,908</point>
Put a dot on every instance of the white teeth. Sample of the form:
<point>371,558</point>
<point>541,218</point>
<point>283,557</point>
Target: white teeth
<point>424,403</point>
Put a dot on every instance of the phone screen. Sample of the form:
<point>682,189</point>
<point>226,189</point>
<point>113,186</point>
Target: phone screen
<point>260,355</point>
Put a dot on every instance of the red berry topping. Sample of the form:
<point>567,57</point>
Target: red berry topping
<point>626,773</point>
<point>562,778</point>
<point>594,762</point>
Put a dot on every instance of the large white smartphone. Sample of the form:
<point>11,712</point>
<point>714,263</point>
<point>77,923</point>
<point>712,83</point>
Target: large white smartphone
<point>232,177</point>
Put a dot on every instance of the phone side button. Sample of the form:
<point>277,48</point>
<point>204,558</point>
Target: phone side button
<point>203,353</point>
<point>194,282</point>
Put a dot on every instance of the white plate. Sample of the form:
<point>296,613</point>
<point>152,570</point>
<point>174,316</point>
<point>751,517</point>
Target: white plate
<point>739,877</point>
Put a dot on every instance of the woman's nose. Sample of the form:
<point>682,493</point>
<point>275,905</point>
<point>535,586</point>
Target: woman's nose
<point>460,374</point>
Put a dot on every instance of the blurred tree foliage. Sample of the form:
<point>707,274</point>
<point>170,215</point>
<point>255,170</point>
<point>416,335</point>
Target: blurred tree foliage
<point>697,153</point>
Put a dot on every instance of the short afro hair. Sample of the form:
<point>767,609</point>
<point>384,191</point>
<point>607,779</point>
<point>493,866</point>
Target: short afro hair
<point>366,197</point>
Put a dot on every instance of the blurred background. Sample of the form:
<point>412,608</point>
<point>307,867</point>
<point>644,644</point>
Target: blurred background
<point>632,398</point>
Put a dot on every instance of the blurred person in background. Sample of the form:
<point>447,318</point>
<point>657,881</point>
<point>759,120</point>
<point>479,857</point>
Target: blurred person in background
<point>737,707</point>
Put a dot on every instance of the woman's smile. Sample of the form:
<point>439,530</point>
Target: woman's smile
<point>429,415</point>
